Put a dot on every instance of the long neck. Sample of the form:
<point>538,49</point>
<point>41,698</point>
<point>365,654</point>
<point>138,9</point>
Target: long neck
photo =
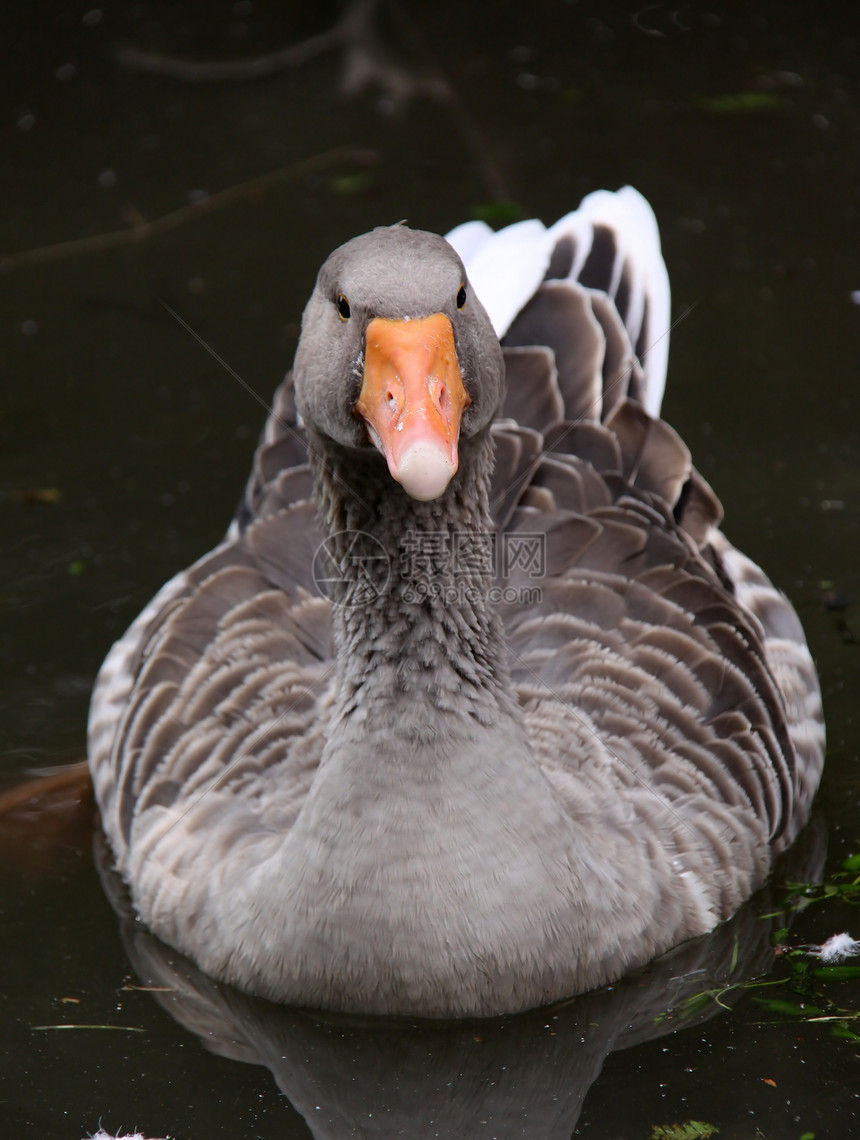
<point>414,629</point>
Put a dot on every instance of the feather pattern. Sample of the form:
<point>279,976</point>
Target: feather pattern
<point>583,743</point>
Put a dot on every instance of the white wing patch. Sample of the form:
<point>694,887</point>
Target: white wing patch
<point>505,269</point>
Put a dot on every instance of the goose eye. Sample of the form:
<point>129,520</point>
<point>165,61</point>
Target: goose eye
<point>461,296</point>
<point>343,307</point>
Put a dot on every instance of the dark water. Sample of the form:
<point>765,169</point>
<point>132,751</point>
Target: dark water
<point>140,440</point>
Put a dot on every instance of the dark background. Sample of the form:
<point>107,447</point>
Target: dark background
<point>125,443</point>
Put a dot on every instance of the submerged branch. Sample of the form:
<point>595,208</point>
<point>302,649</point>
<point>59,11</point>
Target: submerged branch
<point>143,230</point>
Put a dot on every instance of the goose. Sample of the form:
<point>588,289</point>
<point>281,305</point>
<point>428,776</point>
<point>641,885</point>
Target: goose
<point>474,708</point>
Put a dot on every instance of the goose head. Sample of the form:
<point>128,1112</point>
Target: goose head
<point>398,357</point>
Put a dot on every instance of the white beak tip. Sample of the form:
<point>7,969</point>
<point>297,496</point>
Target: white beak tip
<point>424,471</point>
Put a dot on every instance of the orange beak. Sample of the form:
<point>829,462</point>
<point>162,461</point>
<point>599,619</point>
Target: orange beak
<point>412,400</point>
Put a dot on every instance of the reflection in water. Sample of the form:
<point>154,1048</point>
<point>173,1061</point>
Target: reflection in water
<point>525,1076</point>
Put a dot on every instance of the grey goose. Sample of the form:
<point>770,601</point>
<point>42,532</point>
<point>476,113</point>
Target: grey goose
<point>474,707</point>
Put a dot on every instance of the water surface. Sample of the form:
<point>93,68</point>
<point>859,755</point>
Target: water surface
<point>125,444</point>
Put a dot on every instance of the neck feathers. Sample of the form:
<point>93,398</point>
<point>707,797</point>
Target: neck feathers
<point>410,584</point>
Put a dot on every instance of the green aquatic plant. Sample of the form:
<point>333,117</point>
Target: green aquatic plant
<point>843,886</point>
<point>690,1130</point>
<point>739,102</point>
<point>809,985</point>
<point>805,991</point>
